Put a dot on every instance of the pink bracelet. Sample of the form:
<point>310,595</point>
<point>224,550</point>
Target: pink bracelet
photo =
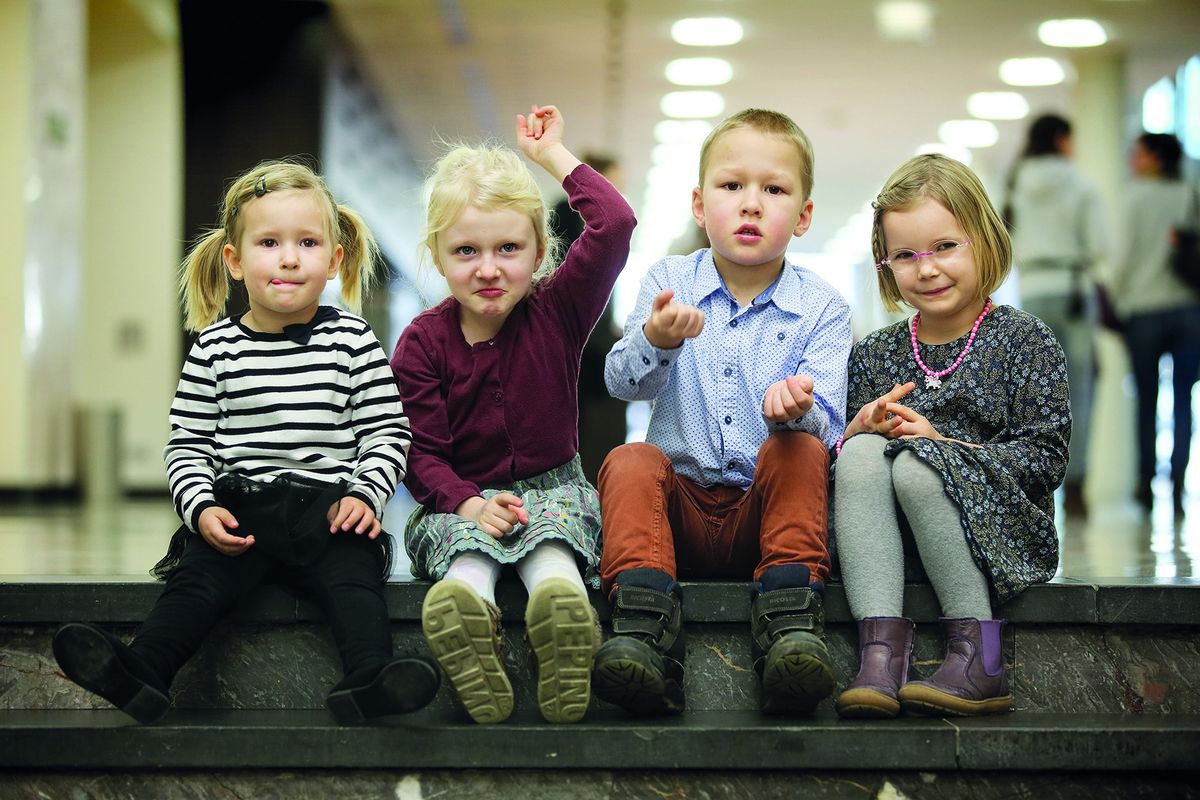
<point>837,448</point>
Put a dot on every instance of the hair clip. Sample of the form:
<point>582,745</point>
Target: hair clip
<point>260,188</point>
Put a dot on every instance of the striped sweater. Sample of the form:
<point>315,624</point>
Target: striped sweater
<point>261,404</point>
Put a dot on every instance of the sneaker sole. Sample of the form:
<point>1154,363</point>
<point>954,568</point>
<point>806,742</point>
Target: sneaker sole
<point>927,701</point>
<point>460,632</point>
<point>625,681</point>
<point>795,683</point>
<point>87,657</point>
<point>561,631</point>
<point>401,687</point>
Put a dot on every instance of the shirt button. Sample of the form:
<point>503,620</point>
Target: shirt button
<point>632,382</point>
<point>733,323</point>
<point>731,465</point>
<point>728,371</point>
<point>780,337</point>
<point>663,363</point>
<point>498,397</point>
<point>728,419</point>
<point>508,449</point>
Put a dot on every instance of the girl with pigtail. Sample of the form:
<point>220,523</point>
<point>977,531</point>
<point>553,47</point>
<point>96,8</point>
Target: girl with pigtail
<point>287,440</point>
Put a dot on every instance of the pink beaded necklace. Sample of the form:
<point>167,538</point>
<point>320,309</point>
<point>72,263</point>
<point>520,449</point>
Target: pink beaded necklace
<point>933,380</point>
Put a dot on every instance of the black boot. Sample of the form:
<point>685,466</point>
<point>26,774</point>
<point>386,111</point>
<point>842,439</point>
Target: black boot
<point>787,626</point>
<point>397,687</point>
<point>104,665</point>
<point>640,668</point>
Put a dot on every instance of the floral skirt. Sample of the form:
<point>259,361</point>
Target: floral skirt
<point>562,507</point>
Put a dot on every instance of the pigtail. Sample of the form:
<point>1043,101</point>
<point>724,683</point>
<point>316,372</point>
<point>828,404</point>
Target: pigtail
<point>360,260</point>
<point>204,281</point>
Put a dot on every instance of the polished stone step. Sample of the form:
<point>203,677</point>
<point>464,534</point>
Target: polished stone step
<point>731,740</point>
<point>1075,646</point>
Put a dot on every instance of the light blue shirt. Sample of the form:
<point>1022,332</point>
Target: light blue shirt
<point>708,392</point>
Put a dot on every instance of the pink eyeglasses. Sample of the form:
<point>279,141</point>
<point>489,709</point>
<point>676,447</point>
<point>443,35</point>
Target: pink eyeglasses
<point>904,261</point>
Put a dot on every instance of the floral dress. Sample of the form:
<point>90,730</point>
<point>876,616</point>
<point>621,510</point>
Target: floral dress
<point>1008,395</point>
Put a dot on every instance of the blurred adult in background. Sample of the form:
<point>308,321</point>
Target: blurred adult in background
<point>601,417</point>
<point>1058,233</point>
<point>1163,312</point>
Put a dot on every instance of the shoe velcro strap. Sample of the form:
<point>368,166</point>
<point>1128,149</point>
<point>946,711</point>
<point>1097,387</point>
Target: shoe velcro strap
<point>634,598</point>
<point>624,626</point>
<point>789,624</point>
<point>783,600</point>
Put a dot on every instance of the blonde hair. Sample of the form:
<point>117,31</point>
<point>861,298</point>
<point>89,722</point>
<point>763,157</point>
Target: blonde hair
<point>492,177</point>
<point>767,122</point>
<point>204,281</point>
<point>960,191</point>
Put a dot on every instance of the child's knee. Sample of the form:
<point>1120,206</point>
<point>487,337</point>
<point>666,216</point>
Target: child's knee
<point>633,459</point>
<point>791,447</point>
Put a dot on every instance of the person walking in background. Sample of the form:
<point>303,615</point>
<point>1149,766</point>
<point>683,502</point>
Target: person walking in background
<point>601,416</point>
<point>1163,313</point>
<point>1058,233</point>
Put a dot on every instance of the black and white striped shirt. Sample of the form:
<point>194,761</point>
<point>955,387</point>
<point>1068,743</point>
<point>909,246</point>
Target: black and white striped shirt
<point>261,404</point>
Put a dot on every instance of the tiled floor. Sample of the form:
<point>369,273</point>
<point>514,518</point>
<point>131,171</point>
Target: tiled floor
<point>125,538</point>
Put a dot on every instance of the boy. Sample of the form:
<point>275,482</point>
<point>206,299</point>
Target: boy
<point>744,356</point>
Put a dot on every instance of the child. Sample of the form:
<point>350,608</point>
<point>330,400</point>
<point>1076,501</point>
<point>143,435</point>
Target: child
<point>490,378</point>
<point>971,458</point>
<point>287,439</point>
<point>744,356</point>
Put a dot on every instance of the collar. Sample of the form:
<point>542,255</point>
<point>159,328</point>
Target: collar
<point>786,292</point>
<point>301,332</point>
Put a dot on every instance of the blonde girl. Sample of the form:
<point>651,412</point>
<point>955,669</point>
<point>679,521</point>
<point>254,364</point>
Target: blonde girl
<point>490,378</point>
<point>287,439</point>
<point>958,432</point>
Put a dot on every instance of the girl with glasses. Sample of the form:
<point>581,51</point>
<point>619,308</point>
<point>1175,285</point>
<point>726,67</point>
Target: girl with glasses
<point>958,435</point>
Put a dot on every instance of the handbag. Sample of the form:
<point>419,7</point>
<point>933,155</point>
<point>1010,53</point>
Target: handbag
<point>1185,246</point>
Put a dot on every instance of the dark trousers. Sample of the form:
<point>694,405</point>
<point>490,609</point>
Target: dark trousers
<point>207,585</point>
<point>1150,336</point>
<point>654,518</point>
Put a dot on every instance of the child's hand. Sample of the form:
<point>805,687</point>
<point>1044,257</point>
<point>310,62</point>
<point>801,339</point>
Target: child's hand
<point>910,425</point>
<point>788,399</point>
<point>212,525</point>
<point>497,515</point>
<point>351,512</point>
<point>873,417</point>
<point>670,323</point>
<point>540,137</point>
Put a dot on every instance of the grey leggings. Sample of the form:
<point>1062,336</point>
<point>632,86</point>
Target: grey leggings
<point>870,491</point>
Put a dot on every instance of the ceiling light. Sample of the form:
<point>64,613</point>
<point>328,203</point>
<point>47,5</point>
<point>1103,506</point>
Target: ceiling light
<point>1158,107</point>
<point>707,31</point>
<point>681,131</point>
<point>957,152</point>
<point>1072,33</point>
<point>686,105</point>
<point>969,133</point>
<point>904,20</point>
<point>997,105</point>
<point>1038,71</point>
<point>699,71</point>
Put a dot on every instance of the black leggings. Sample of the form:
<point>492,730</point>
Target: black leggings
<point>207,585</point>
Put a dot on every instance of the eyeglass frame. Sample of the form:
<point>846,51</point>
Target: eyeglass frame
<point>919,254</point>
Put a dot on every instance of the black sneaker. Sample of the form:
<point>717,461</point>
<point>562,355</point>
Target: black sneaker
<point>789,653</point>
<point>398,687</point>
<point>104,665</point>
<point>640,668</point>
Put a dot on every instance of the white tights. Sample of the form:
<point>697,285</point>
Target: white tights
<point>549,559</point>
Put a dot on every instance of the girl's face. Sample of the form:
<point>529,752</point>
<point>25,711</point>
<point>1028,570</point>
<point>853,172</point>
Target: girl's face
<point>284,256</point>
<point>942,286</point>
<point>488,257</point>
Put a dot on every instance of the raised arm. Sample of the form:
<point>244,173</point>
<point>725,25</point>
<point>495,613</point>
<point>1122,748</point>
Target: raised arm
<point>540,137</point>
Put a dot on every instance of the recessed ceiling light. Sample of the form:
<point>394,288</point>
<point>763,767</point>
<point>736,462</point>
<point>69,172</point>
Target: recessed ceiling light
<point>969,133</point>
<point>1072,33</point>
<point>997,105</point>
<point>681,131</point>
<point>904,20</point>
<point>707,31</point>
<point>1039,71</point>
<point>690,105</point>
<point>699,71</point>
<point>957,152</point>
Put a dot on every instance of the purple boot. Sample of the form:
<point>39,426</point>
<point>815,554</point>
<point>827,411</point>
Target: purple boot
<point>885,649</point>
<point>971,680</point>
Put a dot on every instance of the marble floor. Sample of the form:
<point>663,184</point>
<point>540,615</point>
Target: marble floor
<point>125,537</point>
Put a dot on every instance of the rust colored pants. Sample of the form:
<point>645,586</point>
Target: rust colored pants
<point>656,519</point>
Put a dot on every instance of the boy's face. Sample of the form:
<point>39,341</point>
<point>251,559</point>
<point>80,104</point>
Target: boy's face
<point>751,202</point>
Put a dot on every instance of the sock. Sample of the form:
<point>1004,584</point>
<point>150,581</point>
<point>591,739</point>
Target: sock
<point>478,571</point>
<point>550,559</point>
<point>646,578</point>
<point>785,576</point>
